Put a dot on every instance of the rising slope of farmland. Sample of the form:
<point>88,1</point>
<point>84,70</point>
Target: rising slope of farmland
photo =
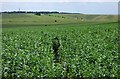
<point>85,17</point>
<point>34,19</point>
<point>31,19</point>
<point>88,46</point>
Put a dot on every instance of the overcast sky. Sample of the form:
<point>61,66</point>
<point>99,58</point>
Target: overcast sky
<point>74,6</point>
<point>59,0</point>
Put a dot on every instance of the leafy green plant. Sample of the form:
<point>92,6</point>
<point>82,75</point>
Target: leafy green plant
<point>85,51</point>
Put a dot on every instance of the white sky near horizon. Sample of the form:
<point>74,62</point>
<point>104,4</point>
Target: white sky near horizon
<point>75,6</point>
<point>60,1</point>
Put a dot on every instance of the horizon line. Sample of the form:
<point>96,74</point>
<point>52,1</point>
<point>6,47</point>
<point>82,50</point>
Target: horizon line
<point>59,12</point>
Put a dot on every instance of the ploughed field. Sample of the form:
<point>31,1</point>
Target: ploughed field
<point>85,50</point>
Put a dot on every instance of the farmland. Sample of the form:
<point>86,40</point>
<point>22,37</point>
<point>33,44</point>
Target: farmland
<point>48,19</point>
<point>88,46</point>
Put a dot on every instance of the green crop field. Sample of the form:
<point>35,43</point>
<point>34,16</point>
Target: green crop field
<point>88,46</point>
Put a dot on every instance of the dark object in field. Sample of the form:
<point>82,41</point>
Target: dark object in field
<point>56,45</point>
<point>37,13</point>
<point>55,20</point>
<point>63,17</point>
<point>45,25</point>
<point>10,21</point>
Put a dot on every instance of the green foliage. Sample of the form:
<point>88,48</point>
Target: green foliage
<point>88,51</point>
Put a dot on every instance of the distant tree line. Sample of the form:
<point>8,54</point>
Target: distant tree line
<point>41,12</point>
<point>38,13</point>
<point>14,12</point>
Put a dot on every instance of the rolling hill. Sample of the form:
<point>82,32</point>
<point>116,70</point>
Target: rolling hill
<point>47,19</point>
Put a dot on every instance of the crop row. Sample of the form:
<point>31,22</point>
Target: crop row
<point>84,52</point>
